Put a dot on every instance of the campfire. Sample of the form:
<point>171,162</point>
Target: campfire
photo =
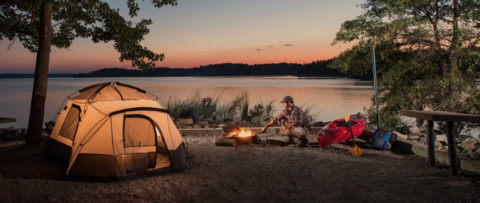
<point>243,136</point>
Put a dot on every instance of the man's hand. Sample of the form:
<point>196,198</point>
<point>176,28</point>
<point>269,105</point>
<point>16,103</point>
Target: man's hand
<point>264,129</point>
<point>290,124</point>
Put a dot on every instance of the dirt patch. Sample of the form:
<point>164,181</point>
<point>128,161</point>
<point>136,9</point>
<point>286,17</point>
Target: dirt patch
<point>247,174</point>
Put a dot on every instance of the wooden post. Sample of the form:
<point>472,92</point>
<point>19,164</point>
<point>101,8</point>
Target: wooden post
<point>431,144</point>
<point>452,153</point>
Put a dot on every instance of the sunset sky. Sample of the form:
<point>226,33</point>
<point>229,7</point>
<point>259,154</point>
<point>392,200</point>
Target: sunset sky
<point>205,32</point>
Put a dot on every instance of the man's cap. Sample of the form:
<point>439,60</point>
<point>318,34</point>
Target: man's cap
<point>287,99</point>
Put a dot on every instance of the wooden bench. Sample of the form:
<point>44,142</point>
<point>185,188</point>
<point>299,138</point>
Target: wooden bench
<point>7,120</point>
<point>450,118</point>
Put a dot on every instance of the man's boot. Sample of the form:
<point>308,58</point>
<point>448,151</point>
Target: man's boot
<point>303,141</point>
<point>290,140</point>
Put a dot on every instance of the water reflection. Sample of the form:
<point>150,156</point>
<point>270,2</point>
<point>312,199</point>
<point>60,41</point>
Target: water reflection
<point>329,98</point>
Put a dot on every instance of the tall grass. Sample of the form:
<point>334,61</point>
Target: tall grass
<point>199,108</point>
<point>193,107</point>
<point>237,107</point>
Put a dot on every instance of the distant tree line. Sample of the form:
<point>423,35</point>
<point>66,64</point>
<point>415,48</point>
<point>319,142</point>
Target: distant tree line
<point>314,69</point>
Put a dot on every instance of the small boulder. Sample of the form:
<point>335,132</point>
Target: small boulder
<point>244,124</point>
<point>469,144</point>
<point>211,121</point>
<point>202,124</point>
<point>441,138</point>
<point>414,129</point>
<point>184,122</point>
<point>229,127</point>
<point>476,154</point>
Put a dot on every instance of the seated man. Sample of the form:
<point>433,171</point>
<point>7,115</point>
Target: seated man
<point>296,125</point>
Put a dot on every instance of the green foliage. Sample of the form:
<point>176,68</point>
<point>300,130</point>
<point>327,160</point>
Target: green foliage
<point>19,20</point>
<point>199,108</point>
<point>307,110</point>
<point>427,55</point>
<point>233,108</point>
<point>193,107</point>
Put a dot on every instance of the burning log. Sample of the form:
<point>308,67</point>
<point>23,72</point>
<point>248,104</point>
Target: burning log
<point>241,136</point>
<point>226,142</point>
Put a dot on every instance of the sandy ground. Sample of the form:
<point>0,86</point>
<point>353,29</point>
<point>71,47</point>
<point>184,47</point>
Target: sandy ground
<point>247,174</point>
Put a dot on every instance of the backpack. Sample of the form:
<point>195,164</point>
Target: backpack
<point>382,139</point>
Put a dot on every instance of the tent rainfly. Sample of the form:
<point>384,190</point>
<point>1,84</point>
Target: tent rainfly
<point>115,130</point>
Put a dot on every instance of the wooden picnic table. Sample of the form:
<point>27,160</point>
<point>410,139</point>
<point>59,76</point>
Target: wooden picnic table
<point>450,118</point>
<point>7,120</point>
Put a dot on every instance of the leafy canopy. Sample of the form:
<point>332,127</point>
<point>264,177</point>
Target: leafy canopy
<point>93,19</point>
<point>427,52</point>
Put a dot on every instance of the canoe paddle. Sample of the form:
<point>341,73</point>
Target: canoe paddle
<point>354,150</point>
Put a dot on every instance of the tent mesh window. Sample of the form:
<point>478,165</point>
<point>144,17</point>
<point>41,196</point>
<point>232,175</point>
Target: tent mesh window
<point>70,124</point>
<point>138,132</point>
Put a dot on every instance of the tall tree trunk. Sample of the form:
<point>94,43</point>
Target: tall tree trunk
<point>455,36</point>
<point>39,93</point>
<point>452,59</point>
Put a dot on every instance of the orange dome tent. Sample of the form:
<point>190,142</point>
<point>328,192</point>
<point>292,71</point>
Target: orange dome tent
<point>114,130</point>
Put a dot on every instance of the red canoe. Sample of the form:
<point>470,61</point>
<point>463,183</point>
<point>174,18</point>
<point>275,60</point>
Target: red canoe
<point>337,131</point>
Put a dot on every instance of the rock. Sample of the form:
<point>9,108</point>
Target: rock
<point>414,137</point>
<point>438,144</point>
<point>183,122</point>
<point>221,125</point>
<point>257,120</point>
<point>229,127</point>
<point>202,124</point>
<point>476,154</point>
<point>469,144</point>
<point>49,126</point>
<point>423,140</point>
<point>227,120</point>
<point>197,126</point>
<point>441,138</point>
<point>414,129</point>
<point>211,121</point>
<point>244,124</point>
<point>442,148</point>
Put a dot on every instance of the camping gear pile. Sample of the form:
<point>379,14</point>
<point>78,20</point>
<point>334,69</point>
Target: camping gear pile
<point>115,130</point>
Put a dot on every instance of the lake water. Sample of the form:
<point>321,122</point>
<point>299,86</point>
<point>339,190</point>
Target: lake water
<point>329,98</point>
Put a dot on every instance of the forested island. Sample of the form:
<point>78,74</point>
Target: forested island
<point>314,69</point>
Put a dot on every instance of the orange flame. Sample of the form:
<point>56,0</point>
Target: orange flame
<point>242,132</point>
<point>347,117</point>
